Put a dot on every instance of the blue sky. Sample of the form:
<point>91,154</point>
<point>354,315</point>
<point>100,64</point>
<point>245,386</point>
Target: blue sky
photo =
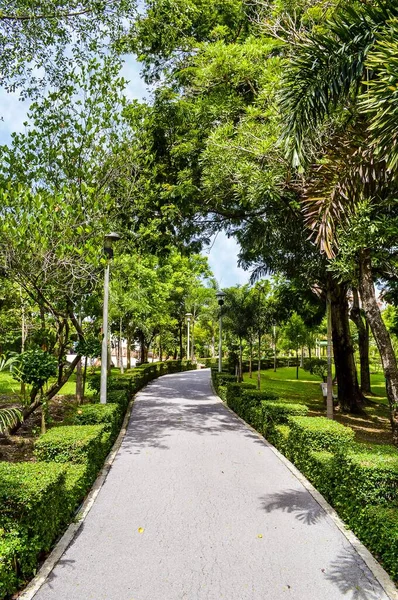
<point>223,253</point>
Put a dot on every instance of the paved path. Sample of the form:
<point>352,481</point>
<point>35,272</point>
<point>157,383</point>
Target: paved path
<point>222,516</point>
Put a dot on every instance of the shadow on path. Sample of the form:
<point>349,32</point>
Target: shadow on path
<point>298,502</point>
<point>160,410</point>
<point>352,577</point>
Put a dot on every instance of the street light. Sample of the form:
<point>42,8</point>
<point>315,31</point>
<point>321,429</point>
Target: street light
<point>220,297</point>
<point>188,316</point>
<point>110,238</point>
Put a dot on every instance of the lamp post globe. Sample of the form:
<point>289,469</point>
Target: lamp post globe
<point>109,240</point>
<point>220,299</point>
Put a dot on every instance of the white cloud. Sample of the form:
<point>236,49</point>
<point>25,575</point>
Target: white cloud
<point>223,260</point>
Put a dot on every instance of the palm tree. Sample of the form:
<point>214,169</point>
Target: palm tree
<point>8,416</point>
<point>340,115</point>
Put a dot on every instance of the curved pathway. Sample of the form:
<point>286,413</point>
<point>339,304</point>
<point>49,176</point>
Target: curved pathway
<point>196,506</point>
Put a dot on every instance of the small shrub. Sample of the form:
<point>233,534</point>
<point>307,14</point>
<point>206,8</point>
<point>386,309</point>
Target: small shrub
<point>279,413</point>
<point>75,485</point>
<point>320,468</point>
<point>367,475</point>
<point>255,397</point>
<point>235,398</point>
<point>378,530</point>
<point>32,495</point>
<point>82,444</point>
<point>317,433</point>
<point>9,546</point>
<point>110,415</point>
<point>279,437</point>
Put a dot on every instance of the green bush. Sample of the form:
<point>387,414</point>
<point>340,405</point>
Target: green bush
<point>33,498</point>
<point>367,475</point>
<point>378,530</point>
<point>82,444</point>
<point>317,433</point>
<point>320,468</point>
<point>9,546</point>
<point>235,398</point>
<point>279,437</point>
<point>112,383</point>
<point>75,485</point>
<point>110,415</point>
<point>279,413</point>
<point>255,397</point>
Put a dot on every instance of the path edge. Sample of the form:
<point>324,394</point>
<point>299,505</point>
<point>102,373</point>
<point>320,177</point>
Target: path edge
<point>381,576</point>
<point>29,592</point>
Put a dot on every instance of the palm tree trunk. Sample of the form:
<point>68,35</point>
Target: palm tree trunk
<point>381,336</point>
<point>259,362</point>
<point>363,342</point>
<point>350,396</point>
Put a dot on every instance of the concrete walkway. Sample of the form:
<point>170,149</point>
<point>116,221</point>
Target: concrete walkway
<point>196,506</point>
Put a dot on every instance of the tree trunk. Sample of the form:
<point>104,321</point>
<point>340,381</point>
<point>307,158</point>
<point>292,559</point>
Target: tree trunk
<point>121,363</point>
<point>128,351</point>
<point>79,382</point>
<point>251,360</point>
<point>363,342</point>
<point>142,347</point>
<point>84,377</point>
<point>350,396</point>
<point>259,362</point>
<point>382,337</point>
<point>297,363</point>
<point>180,341</point>
<point>274,349</point>
<point>37,398</point>
<point>240,370</point>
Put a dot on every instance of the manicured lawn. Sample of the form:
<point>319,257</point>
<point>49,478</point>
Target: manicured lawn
<point>10,388</point>
<point>8,385</point>
<point>373,426</point>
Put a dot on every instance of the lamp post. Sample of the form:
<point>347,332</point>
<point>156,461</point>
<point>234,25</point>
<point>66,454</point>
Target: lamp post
<point>220,297</point>
<point>188,316</point>
<point>108,250</point>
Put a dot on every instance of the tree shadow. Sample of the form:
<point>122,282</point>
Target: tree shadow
<point>178,403</point>
<point>353,578</point>
<point>299,502</point>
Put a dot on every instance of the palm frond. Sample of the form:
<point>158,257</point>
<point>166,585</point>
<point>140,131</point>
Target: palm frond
<point>9,417</point>
<point>380,99</point>
<point>324,70</point>
<point>347,172</point>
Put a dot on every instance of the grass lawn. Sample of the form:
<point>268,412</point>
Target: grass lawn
<point>10,388</point>
<point>372,427</point>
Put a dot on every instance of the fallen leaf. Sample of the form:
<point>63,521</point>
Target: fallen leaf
<point>140,530</point>
<point>260,535</point>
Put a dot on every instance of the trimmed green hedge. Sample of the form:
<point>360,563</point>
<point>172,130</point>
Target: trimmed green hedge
<point>110,415</point>
<point>9,548</point>
<point>279,413</point>
<point>81,444</point>
<point>378,530</point>
<point>33,505</point>
<point>235,398</point>
<point>279,437</point>
<point>32,495</point>
<point>367,475</point>
<point>317,433</point>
